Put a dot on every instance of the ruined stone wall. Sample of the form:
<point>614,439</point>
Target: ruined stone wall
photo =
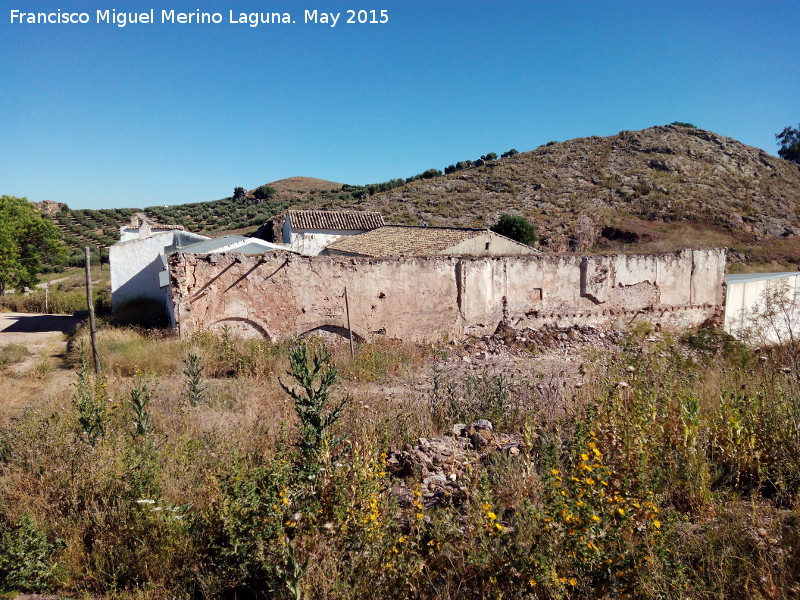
<point>424,299</point>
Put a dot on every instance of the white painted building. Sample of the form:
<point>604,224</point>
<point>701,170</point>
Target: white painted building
<point>309,232</point>
<point>136,264</point>
<point>139,265</point>
<point>750,297</point>
<point>144,228</point>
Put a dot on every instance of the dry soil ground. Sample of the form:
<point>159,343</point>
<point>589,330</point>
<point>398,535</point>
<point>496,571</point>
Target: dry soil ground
<point>44,336</point>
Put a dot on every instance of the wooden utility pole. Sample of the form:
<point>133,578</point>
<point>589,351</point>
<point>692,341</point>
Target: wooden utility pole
<point>349,328</point>
<point>90,306</point>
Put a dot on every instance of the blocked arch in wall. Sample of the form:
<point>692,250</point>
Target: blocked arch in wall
<point>241,327</point>
<point>329,330</point>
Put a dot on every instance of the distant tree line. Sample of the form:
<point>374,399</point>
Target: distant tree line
<point>469,164</point>
<point>234,212</point>
<point>361,191</point>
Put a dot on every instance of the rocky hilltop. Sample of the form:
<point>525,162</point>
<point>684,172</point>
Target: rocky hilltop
<point>49,207</point>
<point>299,189</point>
<point>636,186</point>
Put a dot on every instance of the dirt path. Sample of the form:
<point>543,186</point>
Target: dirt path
<point>39,372</point>
<point>34,329</point>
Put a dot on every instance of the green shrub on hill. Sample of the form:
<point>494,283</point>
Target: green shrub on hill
<point>264,192</point>
<point>517,228</point>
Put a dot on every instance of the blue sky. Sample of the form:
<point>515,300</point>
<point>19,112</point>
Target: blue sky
<point>99,116</point>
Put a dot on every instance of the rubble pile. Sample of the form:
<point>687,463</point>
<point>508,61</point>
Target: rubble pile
<point>555,337</point>
<point>547,338</point>
<point>440,464</point>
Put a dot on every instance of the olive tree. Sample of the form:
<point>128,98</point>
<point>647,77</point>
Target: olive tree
<point>27,241</point>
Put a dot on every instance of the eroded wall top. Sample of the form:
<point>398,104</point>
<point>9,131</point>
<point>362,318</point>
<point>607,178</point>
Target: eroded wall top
<point>278,295</point>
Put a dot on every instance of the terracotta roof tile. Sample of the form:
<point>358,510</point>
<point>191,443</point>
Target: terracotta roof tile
<point>393,240</point>
<point>162,226</point>
<point>339,220</point>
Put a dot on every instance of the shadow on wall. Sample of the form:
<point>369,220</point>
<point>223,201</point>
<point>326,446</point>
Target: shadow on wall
<point>143,285</point>
<point>332,332</point>
<point>141,312</point>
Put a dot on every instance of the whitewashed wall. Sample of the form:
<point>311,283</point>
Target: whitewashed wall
<point>745,306</point>
<point>311,242</point>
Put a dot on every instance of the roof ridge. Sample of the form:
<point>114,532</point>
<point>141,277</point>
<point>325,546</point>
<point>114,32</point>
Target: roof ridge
<point>335,220</point>
<point>438,227</point>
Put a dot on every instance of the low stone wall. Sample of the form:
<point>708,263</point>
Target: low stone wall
<point>277,295</point>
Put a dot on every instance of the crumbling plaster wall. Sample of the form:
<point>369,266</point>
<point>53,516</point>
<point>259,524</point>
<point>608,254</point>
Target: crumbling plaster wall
<point>427,298</point>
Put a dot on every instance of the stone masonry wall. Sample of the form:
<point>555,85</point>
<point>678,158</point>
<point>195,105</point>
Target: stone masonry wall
<point>277,295</point>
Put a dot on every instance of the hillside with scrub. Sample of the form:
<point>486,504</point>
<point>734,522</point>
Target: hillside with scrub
<point>657,189</point>
<point>243,212</point>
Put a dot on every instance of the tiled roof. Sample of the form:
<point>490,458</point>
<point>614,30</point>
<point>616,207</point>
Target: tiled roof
<point>392,240</point>
<point>162,226</point>
<point>338,220</point>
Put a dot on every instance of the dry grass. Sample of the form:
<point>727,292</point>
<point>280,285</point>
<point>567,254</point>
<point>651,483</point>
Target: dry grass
<point>125,350</point>
<point>227,511</point>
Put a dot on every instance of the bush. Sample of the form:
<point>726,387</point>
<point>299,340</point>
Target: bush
<point>789,142</point>
<point>26,558</point>
<point>315,374</point>
<point>264,192</point>
<point>683,124</point>
<point>517,228</point>
<point>13,353</point>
